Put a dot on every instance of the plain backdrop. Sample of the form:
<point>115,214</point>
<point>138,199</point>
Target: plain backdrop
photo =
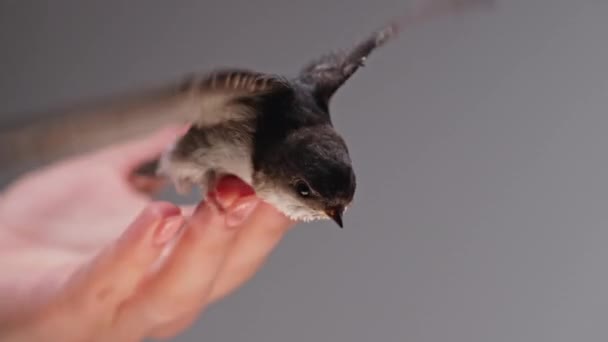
<point>480,142</point>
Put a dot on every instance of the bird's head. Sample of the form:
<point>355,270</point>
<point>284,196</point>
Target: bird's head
<point>312,176</point>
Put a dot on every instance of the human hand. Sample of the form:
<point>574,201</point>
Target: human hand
<point>72,272</point>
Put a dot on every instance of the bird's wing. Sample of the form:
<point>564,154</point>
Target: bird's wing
<point>200,100</point>
<point>329,72</point>
<point>230,94</point>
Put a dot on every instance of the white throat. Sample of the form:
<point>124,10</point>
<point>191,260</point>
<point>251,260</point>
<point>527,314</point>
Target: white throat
<point>290,206</point>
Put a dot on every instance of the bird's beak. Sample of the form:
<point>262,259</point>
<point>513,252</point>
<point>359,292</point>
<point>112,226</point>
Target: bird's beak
<point>335,213</point>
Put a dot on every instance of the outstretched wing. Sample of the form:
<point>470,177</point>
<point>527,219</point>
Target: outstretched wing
<point>329,72</point>
<point>230,94</point>
<point>200,100</point>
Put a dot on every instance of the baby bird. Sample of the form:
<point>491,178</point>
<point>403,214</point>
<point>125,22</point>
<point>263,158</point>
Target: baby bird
<point>273,132</point>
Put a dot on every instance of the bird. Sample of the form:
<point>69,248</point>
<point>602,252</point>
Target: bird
<point>272,131</point>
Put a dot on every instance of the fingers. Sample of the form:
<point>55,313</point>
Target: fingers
<point>255,242</point>
<point>185,280</point>
<point>220,246</point>
<point>114,274</point>
<point>85,308</point>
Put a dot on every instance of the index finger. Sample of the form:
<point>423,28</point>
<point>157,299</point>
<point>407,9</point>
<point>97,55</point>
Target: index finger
<point>185,279</point>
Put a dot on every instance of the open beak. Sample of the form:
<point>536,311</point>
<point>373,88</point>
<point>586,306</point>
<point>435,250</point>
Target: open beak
<point>335,213</point>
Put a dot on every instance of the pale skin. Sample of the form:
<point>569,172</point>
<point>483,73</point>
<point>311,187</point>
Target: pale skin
<point>81,244</point>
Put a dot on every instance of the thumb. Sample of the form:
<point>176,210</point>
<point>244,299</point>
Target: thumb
<point>130,155</point>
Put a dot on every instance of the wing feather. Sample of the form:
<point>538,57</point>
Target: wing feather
<point>200,99</point>
<point>329,72</point>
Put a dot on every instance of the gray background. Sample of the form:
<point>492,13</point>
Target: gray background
<point>480,143</point>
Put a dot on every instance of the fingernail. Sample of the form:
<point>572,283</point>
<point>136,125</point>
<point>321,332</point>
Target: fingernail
<point>149,219</point>
<point>165,210</point>
<point>240,212</point>
<point>229,189</point>
<point>168,230</point>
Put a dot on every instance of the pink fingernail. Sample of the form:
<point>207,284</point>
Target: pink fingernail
<point>240,212</point>
<point>229,189</point>
<point>168,230</point>
<point>149,219</point>
<point>166,210</point>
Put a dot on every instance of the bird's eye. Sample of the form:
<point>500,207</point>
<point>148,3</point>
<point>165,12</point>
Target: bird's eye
<point>302,188</point>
